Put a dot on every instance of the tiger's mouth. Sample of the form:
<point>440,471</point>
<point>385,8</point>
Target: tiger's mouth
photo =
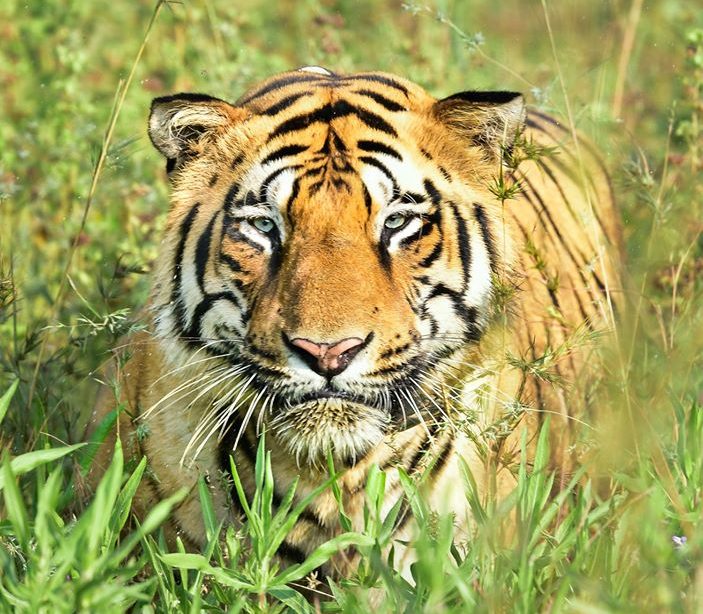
<point>346,424</point>
<point>326,422</point>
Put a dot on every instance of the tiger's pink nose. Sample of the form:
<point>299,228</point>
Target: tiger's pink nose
<point>328,359</point>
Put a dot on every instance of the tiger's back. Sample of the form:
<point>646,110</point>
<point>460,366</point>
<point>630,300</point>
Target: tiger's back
<point>333,273</point>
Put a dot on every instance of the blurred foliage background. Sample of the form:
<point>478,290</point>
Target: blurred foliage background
<point>632,72</point>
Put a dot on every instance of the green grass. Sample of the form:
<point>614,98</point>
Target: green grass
<point>82,201</point>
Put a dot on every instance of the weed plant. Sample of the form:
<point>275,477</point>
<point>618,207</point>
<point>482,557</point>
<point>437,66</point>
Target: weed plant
<point>82,202</point>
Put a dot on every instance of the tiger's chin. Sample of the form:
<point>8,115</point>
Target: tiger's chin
<point>309,431</point>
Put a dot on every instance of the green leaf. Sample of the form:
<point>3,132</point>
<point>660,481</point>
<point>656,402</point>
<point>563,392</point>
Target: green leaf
<point>103,503</point>
<point>344,520</point>
<point>123,504</point>
<point>159,513</point>
<point>279,534</point>
<point>14,504</point>
<point>31,460</point>
<point>212,527</point>
<point>241,495</point>
<point>46,510</point>
<point>321,555</point>
<point>97,437</point>
<point>292,599</point>
<point>186,560</point>
<point>198,562</point>
<point>6,398</point>
<point>389,522</point>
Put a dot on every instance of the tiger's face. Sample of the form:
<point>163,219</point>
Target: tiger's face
<point>334,240</point>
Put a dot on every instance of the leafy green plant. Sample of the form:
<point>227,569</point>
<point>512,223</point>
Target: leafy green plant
<point>51,563</point>
<point>259,574</point>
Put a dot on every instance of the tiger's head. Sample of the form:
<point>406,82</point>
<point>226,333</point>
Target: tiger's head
<point>333,239</point>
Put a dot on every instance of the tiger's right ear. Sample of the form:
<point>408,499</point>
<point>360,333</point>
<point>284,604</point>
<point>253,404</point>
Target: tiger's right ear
<point>180,125</point>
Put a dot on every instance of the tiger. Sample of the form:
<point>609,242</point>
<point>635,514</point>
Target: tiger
<point>362,274</point>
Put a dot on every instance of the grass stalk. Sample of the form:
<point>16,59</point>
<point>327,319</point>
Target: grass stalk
<point>120,95</point>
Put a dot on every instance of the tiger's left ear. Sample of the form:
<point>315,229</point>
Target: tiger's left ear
<point>180,124</point>
<point>491,120</point>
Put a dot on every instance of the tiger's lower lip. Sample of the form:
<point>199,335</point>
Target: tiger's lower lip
<point>328,394</point>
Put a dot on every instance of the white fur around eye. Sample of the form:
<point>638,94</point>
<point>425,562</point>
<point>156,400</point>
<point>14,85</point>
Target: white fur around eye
<point>254,235</point>
<point>412,227</point>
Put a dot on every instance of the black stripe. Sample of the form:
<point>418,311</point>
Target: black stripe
<point>244,445</point>
<point>483,223</point>
<point>384,256</point>
<point>271,177</point>
<point>238,159</point>
<point>279,84</point>
<point>367,198</point>
<point>184,231</point>
<point>592,150</point>
<point>213,180</point>
<point>422,450</point>
<point>282,152</point>
<point>376,147</point>
<point>428,223</point>
<point>443,457</point>
<point>433,255</point>
<point>386,103</point>
<point>432,192</point>
<point>307,514</point>
<point>295,189</point>
<point>416,236</point>
<point>582,310</point>
<point>383,168</point>
<point>236,235</point>
<point>543,165</point>
<point>464,312</point>
<point>327,113</point>
<point>300,122</point>
<point>231,197</point>
<point>337,142</point>
<point>231,262</point>
<point>566,130</point>
<point>412,198</point>
<point>283,103</point>
<point>378,79</point>
<point>291,553</point>
<point>376,122</point>
<point>313,171</point>
<point>202,252</point>
<point>525,180</point>
<point>205,305</point>
<point>405,514</point>
<point>226,449</point>
<point>257,351</point>
<point>464,247</point>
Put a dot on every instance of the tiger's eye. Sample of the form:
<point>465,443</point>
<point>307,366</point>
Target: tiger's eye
<point>395,221</point>
<point>263,224</point>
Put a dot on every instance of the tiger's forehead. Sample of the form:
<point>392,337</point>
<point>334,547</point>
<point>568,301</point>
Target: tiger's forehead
<point>333,138</point>
<point>280,92</point>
